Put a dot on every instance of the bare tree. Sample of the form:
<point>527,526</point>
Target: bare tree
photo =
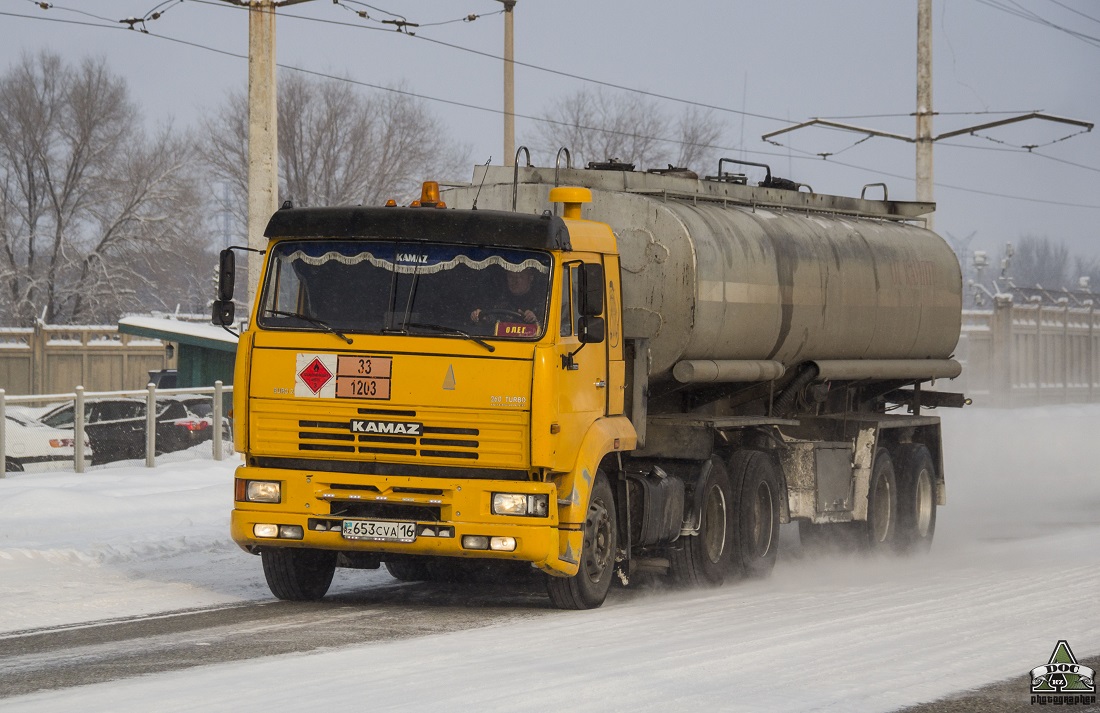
<point>337,145</point>
<point>1040,261</point>
<point>82,193</point>
<point>632,128</point>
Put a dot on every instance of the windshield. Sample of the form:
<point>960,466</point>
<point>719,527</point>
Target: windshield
<point>391,287</point>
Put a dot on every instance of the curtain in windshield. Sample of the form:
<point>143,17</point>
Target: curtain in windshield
<point>406,288</point>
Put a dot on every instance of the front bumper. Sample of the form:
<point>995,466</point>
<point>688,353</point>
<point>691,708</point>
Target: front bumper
<point>310,499</point>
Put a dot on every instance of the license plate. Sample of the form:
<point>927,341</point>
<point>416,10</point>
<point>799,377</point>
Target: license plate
<point>379,530</point>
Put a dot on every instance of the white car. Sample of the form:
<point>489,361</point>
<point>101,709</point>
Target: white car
<point>34,446</point>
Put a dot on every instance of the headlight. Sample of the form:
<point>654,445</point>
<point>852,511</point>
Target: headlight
<point>534,505</point>
<point>263,491</point>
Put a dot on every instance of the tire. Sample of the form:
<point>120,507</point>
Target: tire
<point>12,466</point>
<point>916,478</point>
<point>408,570</point>
<point>756,481</point>
<point>704,559</point>
<point>880,530</point>
<point>298,575</point>
<point>587,589</point>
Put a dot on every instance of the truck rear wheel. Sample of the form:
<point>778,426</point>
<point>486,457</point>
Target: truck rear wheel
<point>705,558</point>
<point>756,481</point>
<point>916,475</point>
<point>587,589</point>
<point>882,505</point>
<point>298,575</point>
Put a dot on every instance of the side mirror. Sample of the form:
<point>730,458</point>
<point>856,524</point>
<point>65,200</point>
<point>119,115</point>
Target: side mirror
<point>591,290</point>
<point>592,330</point>
<point>227,273</point>
<point>223,312</point>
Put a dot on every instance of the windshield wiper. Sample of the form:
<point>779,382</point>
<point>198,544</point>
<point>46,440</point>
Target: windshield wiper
<point>312,320</point>
<point>452,330</point>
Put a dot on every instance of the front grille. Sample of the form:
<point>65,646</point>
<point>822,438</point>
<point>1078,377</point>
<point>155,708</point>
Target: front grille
<point>466,438</point>
<point>389,444</point>
<point>385,511</point>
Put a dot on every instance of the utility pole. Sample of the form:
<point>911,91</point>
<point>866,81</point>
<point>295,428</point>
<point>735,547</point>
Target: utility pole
<point>509,86</point>
<point>263,123</point>
<point>263,136</point>
<point>925,191</point>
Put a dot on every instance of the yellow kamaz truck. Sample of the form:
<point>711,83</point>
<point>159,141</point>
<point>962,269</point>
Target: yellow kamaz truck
<point>597,372</point>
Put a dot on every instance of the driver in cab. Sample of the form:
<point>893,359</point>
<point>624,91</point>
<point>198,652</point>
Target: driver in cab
<point>517,304</point>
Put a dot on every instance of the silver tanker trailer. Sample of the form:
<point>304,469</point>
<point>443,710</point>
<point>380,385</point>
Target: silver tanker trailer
<point>779,347</point>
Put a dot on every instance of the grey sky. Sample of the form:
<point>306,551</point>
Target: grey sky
<point>787,60</point>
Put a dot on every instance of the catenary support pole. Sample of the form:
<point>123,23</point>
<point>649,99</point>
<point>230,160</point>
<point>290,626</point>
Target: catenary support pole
<point>263,142</point>
<point>509,86</point>
<point>925,191</point>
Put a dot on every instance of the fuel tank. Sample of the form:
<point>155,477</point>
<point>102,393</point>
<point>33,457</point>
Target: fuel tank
<point>732,273</point>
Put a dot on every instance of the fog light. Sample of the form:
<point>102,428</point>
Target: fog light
<point>263,491</point>
<point>475,542</point>
<point>265,530</point>
<point>503,544</point>
<point>290,532</point>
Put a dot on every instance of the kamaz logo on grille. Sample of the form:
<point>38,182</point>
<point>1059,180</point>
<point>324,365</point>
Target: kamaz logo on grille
<point>392,427</point>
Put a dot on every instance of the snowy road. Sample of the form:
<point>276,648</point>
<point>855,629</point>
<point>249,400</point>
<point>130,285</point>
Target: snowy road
<point>1015,568</point>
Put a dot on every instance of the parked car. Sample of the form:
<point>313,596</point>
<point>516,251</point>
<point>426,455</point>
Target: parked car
<point>33,446</point>
<point>116,426</point>
<point>203,407</point>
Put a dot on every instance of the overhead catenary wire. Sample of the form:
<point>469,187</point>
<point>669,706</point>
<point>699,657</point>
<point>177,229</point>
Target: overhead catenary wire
<point>518,63</point>
<point>1014,8</point>
<point>807,155</point>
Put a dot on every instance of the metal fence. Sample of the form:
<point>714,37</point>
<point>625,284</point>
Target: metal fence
<point>1039,352</point>
<point>55,358</point>
<point>70,451</point>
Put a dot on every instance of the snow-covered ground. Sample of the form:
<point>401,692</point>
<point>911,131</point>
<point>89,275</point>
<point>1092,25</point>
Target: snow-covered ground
<point>1015,568</point>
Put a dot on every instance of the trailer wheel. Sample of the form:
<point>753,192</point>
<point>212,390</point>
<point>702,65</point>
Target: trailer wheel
<point>916,476</point>
<point>882,505</point>
<point>756,479</point>
<point>587,589</point>
<point>298,575</point>
<point>704,559</point>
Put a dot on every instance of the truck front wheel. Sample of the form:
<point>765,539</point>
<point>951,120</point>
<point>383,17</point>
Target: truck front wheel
<point>588,587</point>
<point>298,575</point>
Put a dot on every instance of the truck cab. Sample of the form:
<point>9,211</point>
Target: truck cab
<point>419,383</point>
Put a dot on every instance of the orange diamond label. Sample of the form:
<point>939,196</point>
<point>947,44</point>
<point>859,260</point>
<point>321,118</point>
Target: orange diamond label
<point>315,375</point>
